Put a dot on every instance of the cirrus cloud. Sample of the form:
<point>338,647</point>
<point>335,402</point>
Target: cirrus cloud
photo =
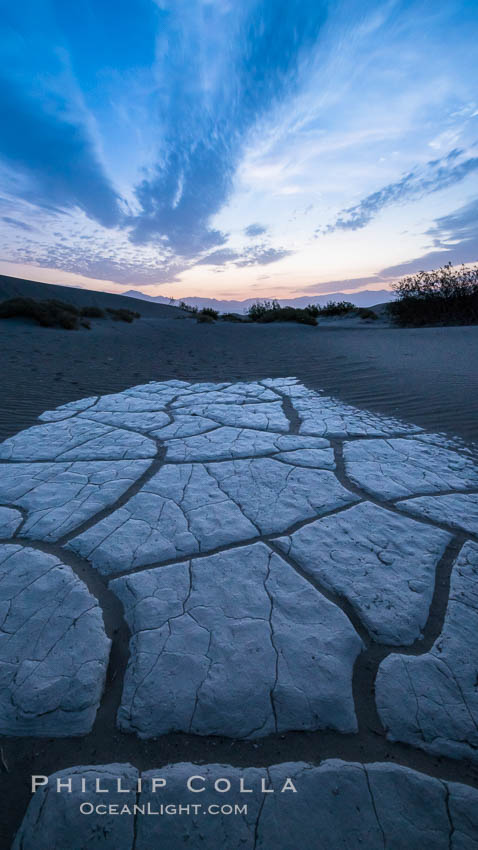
<point>436,175</point>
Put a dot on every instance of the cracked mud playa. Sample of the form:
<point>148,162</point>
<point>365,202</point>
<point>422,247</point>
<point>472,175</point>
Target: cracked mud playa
<point>250,577</point>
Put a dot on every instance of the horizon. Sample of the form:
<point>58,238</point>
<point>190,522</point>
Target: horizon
<point>288,148</point>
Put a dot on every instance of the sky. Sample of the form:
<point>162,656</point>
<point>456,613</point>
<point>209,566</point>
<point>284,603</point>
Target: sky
<point>237,149</point>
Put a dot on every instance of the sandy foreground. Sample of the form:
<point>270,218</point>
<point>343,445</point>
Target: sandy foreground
<point>427,375</point>
<point>315,464</point>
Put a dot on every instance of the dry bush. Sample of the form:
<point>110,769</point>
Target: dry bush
<point>93,312</point>
<point>121,314</point>
<point>271,311</point>
<point>365,313</point>
<point>444,296</point>
<point>336,308</point>
<point>232,317</point>
<point>48,313</point>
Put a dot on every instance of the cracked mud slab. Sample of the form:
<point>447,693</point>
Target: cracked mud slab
<point>383,564</point>
<point>229,394</point>
<point>226,443</point>
<point>10,520</point>
<point>396,468</point>
<point>180,511</point>
<point>145,423</point>
<point>187,425</point>
<point>243,642</point>
<point>275,495</point>
<point>235,644</point>
<point>458,510</point>
<point>328,417</point>
<point>76,439</point>
<point>190,508</point>
<point>431,700</point>
<point>53,648</point>
<point>58,497</point>
<point>135,400</point>
<point>336,805</point>
<point>53,820</point>
<point>67,410</point>
<point>267,416</point>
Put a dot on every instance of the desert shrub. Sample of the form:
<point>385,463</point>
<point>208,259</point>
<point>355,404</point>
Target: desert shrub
<point>187,307</point>
<point>231,317</point>
<point>63,306</point>
<point>48,313</point>
<point>444,296</point>
<point>205,318</point>
<point>271,311</point>
<point>365,313</point>
<point>260,308</point>
<point>68,321</point>
<point>303,317</point>
<point>337,308</point>
<point>340,308</point>
<point>208,311</point>
<point>93,312</point>
<point>313,310</point>
<point>121,314</point>
<point>51,312</point>
<point>289,314</point>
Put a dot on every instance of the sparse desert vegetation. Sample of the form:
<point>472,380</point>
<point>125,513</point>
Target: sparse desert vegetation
<point>341,308</point>
<point>51,313</point>
<point>207,315</point>
<point>232,317</point>
<point>187,307</point>
<point>121,314</point>
<point>366,313</point>
<point>445,296</point>
<point>334,308</point>
<point>93,312</point>
<point>208,311</point>
<point>271,311</point>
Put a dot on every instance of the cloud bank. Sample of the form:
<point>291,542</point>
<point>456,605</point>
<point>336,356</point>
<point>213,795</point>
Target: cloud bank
<point>436,175</point>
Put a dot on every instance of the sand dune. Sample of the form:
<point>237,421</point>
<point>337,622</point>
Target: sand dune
<point>423,375</point>
<point>11,287</point>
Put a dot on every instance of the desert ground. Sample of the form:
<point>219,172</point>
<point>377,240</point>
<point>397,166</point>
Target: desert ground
<point>424,375</point>
<point>178,486</point>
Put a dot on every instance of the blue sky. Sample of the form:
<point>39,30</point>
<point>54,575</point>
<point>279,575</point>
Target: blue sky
<point>210,147</point>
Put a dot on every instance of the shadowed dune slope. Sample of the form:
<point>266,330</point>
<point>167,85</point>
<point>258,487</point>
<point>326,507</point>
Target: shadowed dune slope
<point>13,287</point>
<point>424,375</point>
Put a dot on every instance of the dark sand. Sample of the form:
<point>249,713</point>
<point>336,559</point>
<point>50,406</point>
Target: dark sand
<point>425,375</point>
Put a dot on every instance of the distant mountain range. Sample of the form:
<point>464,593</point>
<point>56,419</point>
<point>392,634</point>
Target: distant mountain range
<point>365,298</point>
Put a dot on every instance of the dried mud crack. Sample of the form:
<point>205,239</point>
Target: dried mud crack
<point>276,557</point>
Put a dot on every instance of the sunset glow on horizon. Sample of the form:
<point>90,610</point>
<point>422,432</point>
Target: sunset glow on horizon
<point>261,149</point>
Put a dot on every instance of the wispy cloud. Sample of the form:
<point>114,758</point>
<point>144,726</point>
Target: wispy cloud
<point>262,255</point>
<point>457,228</point>
<point>225,64</point>
<point>14,222</point>
<point>218,258</point>
<point>352,284</point>
<point>258,255</point>
<point>455,236</point>
<point>436,175</point>
<point>253,230</point>
<point>54,156</point>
